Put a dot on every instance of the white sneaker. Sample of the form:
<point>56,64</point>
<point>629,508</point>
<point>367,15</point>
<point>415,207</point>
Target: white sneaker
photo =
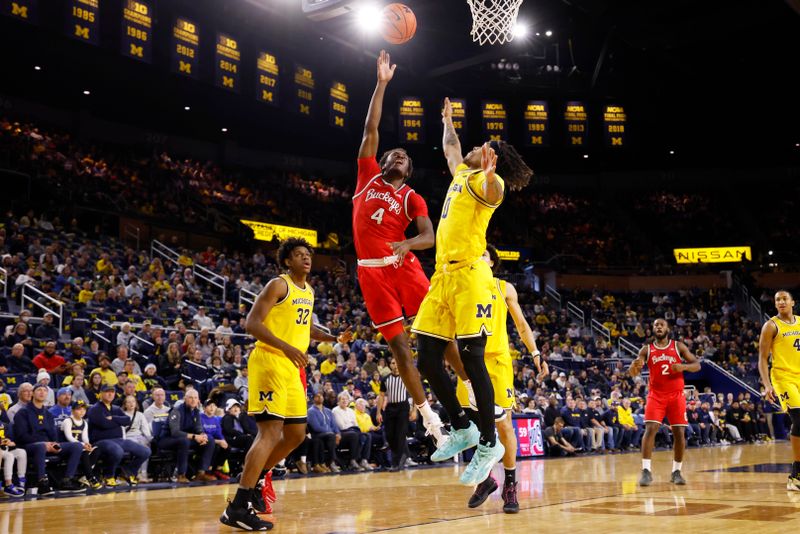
<point>411,463</point>
<point>365,465</point>
<point>433,427</point>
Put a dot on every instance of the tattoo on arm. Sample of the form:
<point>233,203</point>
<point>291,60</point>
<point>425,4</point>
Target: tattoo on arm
<point>450,135</point>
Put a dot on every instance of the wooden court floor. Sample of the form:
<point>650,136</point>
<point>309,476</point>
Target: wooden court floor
<point>734,488</point>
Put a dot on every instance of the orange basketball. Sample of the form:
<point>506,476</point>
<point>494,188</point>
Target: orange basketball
<point>399,23</point>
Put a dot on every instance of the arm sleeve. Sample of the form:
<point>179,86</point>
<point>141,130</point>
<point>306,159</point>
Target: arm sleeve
<point>66,428</point>
<point>367,169</point>
<point>475,185</point>
<point>416,206</point>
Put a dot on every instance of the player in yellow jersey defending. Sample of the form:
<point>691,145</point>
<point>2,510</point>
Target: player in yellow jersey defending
<point>281,322</point>
<point>780,336</point>
<point>501,372</point>
<point>459,303</point>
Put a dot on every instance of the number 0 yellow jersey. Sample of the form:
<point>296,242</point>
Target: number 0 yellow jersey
<point>461,235</point>
<point>290,319</point>
<point>786,346</point>
<point>497,343</point>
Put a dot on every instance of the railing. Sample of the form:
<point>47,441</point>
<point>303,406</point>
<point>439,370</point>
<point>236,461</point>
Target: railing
<point>626,347</point>
<point>598,328</point>
<point>553,294</point>
<point>132,232</point>
<point>4,281</point>
<point>212,278</point>
<point>55,304</point>
<point>755,307</point>
<point>169,254</point>
<point>247,297</point>
<point>577,313</point>
<point>765,318</point>
<point>744,385</point>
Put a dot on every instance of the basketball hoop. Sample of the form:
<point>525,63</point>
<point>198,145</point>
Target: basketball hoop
<point>493,21</point>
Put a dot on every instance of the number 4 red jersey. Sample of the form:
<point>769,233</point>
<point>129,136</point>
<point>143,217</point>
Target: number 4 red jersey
<point>381,213</point>
<point>659,361</point>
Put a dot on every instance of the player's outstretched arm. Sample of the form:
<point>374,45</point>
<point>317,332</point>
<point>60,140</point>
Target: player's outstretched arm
<point>276,290</point>
<point>524,329</point>
<point>768,332</point>
<point>451,146</point>
<point>369,142</point>
<point>693,364</point>
<point>636,365</point>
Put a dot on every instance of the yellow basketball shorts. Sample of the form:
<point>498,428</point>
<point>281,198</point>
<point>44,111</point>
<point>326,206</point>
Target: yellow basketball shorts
<point>501,373</point>
<point>459,303</point>
<point>787,388</point>
<point>274,388</point>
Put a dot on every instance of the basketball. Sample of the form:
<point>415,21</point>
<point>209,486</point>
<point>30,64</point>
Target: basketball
<point>399,23</point>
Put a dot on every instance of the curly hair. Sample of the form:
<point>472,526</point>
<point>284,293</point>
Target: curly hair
<point>511,166</point>
<point>494,256</point>
<point>385,157</point>
<point>288,246</point>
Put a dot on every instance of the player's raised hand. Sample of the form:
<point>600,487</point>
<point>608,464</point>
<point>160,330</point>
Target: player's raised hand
<point>488,161</point>
<point>346,336</point>
<point>447,110</point>
<point>385,67</point>
<point>299,358</point>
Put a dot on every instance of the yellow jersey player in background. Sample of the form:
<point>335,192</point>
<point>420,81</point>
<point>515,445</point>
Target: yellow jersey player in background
<point>459,303</point>
<point>281,321</point>
<point>501,372</point>
<point>780,336</point>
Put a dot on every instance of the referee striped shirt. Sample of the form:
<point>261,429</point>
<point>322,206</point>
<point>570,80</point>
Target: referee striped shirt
<point>394,389</point>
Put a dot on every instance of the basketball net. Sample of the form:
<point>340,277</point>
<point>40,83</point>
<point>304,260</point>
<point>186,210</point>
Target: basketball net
<point>493,21</point>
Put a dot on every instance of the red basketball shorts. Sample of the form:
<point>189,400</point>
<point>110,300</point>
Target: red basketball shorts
<point>671,405</point>
<point>393,294</point>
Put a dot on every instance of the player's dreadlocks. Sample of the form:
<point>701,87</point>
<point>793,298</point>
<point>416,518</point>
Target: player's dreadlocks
<point>493,255</point>
<point>288,246</point>
<point>510,166</point>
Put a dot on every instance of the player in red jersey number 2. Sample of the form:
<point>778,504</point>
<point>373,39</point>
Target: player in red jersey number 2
<point>389,275</point>
<point>665,398</point>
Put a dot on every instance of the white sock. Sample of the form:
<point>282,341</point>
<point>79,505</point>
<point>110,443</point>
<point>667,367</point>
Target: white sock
<point>425,411</point>
<point>676,466</point>
<point>303,459</point>
<point>646,464</point>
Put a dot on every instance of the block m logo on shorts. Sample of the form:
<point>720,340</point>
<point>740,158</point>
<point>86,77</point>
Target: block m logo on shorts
<point>484,311</point>
<point>262,395</point>
<point>785,395</point>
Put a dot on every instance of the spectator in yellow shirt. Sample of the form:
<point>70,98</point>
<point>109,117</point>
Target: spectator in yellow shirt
<point>86,293</point>
<point>105,370</point>
<point>329,365</point>
<point>104,265</point>
<point>129,367</point>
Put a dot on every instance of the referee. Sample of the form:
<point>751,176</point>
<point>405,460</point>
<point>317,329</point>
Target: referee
<point>393,402</point>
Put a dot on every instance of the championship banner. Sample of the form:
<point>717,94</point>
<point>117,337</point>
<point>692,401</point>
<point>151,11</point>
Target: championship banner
<point>267,71</point>
<point>537,117</point>
<point>228,63</point>
<point>268,231</point>
<point>614,119</point>
<point>412,120</point>
<point>529,436</point>
<point>459,116</point>
<point>25,10</point>
<point>495,120</point>
<point>303,90</point>
<point>339,101</point>
<point>577,124</point>
<point>712,254</point>
<point>185,47</point>
<point>137,30</point>
<point>83,20</point>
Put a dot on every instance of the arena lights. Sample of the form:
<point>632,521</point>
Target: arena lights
<point>186,108</point>
<point>369,17</point>
<point>520,29</point>
<point>770,253</point>
<point>586,156</point>
<point>671,152</point>
<point>549,33</point>
<point>87,92</point>
<point>37,67</point>
<point>224,130</point>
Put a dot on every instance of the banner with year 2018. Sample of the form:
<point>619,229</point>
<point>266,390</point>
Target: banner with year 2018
<point>303,90</point>
<point>614,120</point>
<point>137,30</point>
<point>537,118</point>
<point>267,72</point>
<point>412,120</point>
<point>495,120</point>
<point>24,10</point>
<point>83,20</point>
<point>577,124</point>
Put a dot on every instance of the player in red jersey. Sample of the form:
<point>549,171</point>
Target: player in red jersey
<point>390,276</point>
<point>664,361</point>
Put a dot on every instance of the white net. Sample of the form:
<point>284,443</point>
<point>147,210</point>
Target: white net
<point>493,21</point>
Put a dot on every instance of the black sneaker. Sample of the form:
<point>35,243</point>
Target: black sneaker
<point>646,479</point>
<point>482,492</point>
<point>44,488</point>
<point>510,503</point>
<point>243,518</point>
<point>677,478</point>
<point>258,502</point>
<point>70,485</point>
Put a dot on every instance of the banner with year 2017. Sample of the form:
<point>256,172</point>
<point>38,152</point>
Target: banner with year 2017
<point>267,71</point>
<point>495,120</point>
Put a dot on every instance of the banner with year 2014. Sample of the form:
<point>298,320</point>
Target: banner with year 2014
<point>495,120</point>
<point>412,120</point>
<point>228,63</point>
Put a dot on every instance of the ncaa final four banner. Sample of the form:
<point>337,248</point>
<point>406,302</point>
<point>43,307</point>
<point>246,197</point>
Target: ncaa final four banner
<point>185,48</point>
<point>412,120</point>
<point>459,116</point>
<point>537,117</point>
<point>83,20</point>
<point>267,72</point>
<point>303,90</point>
<point>228,63</point>
<point>137,30</point>
<point>340,99</point>
<point>614,120</point>
<point>495,120</point>
<point>577,124</point>
<point>24,10</point>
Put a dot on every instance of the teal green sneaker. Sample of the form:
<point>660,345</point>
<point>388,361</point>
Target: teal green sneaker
<point>482,463</point>
<point>457,441</point>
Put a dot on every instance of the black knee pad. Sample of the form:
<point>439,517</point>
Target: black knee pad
<point>472,349</point>
<point>430,352</point>
<point>794,415</point>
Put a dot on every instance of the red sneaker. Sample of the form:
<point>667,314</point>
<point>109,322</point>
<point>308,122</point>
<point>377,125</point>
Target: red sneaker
<point>267,509</point>
<point>267,491</point>
<point>221,476</point>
